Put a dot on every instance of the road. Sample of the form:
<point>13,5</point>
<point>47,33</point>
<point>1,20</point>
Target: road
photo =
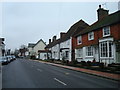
<point>23,73</point>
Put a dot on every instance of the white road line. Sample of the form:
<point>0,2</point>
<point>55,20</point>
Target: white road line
<point>59,81</point>
<point>39,70</point>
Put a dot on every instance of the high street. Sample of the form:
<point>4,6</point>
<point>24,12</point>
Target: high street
<point>23,73</point>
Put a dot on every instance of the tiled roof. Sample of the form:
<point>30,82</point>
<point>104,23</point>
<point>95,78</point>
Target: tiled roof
<point>73,30</point>
<point>106,21</point>
<point>53,43</point>
<point>77,27</point>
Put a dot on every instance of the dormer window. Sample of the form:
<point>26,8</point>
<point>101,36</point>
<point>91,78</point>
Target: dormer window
<point>79,40</point>
<point>106,31</point>
<point>91,36</point>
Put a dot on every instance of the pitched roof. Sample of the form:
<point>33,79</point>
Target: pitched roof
<point>73,30</point>
<point>53,43</point>
<point>106,21</point>
<point>40,41</point>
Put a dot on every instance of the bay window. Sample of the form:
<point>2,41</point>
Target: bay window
<point>106,49</point>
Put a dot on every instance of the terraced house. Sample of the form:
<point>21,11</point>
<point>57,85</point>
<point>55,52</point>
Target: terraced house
<point>101,40</point>
<point>62,48</point>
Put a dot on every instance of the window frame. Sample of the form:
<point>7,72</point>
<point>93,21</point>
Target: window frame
<point>109,53</point>
<point>89,52</point>
<point>79,38</point>
<point>79,53</point>
<point>91,33</point>
<point>104,31</point>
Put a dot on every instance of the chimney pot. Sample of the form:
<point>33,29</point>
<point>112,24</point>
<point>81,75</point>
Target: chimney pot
<point>54,38</point>
<point>49,41</point>
<point>102,13</point>
<point>62,34</point>
<point>99,6</point>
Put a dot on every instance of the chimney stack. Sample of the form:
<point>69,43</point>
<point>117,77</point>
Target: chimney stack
<point>102,13</point>
<point>62,34</point>
<point>49,41</point>
<point>54,38</point>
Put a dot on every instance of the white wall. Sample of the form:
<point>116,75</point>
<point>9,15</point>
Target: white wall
<point>43,55</point>
<point>66,44</point>
<point>55,50</point>
<point>39,46</point>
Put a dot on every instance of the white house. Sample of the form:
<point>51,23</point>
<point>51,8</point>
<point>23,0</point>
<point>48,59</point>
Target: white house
<point>33,48</point>
<point>54,47</point>
<point>30,49</point>
<point>62,48</point>
<point>65,50</point>
<point>44,54</point>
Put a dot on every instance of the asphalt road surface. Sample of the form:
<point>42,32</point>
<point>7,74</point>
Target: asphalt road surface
<point>23,73</point>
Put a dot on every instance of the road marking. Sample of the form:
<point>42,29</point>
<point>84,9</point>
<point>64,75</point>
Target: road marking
<point>59,81</point>
<point>39,70</point>
<point>67,73</point>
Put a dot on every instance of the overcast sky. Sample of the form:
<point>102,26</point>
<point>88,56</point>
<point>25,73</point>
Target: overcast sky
<point>25,22</point>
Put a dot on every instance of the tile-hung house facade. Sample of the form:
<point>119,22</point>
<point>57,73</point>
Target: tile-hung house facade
<point>67,41</point>
<point>101,40</point>
<point>2,47</point>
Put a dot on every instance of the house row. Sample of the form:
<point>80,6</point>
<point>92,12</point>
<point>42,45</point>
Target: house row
<point>82,42</point>
<point>2,47</point>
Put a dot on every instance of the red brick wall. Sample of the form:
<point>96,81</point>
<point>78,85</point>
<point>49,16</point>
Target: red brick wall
<point>115,31</point>
<point>98,34</point>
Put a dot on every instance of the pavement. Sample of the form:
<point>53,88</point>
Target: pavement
<point>92,72</point>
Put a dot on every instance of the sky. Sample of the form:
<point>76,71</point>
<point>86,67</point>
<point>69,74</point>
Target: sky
<point>27,22</point>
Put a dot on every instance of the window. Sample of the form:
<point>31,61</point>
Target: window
<point>67,54</point>
<point>79,40</point>
<point>106,49</point>
<point>106,31</point>
<point>91,36</point>
<point>89,51</point>
<point>79,52</point>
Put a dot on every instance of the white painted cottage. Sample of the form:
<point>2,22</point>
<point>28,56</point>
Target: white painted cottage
<point>33,48</point>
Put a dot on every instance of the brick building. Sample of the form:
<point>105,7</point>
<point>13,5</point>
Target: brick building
<point>101,40</point>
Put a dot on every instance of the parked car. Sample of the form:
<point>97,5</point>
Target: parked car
<point>13,57</point>
<point>3,60</point>
<point>9,58</point>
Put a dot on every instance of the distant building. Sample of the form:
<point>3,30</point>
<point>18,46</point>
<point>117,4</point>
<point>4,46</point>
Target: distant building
<point>33,48</point>
<point>2,47</point>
